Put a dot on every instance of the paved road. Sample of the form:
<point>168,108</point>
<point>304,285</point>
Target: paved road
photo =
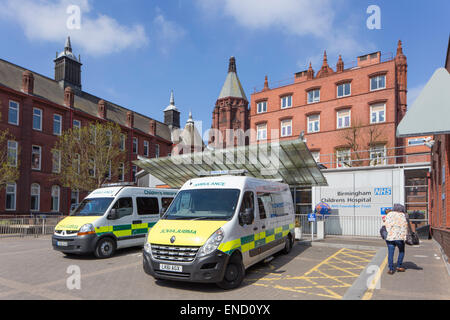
<point>31,269</point>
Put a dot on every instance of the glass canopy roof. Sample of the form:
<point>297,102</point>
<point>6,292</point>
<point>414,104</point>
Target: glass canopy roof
<point>288,161</point>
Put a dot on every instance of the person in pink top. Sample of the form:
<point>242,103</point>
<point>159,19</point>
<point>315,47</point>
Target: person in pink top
<point>397,229</point>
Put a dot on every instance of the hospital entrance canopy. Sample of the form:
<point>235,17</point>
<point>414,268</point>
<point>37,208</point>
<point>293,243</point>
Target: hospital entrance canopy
<point>288,161</point>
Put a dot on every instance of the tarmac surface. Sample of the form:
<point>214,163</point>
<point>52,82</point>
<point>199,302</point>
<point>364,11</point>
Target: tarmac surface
<point>332,269</point>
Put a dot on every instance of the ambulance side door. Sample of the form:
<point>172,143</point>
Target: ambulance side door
<point>148,209</point>
<point>248,231</point>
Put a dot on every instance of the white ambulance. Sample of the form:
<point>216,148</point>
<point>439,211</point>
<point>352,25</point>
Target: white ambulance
<point>217,227</point>
<point>111,218</point>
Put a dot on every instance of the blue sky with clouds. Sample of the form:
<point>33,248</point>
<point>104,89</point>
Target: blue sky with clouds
<point>135,52</point>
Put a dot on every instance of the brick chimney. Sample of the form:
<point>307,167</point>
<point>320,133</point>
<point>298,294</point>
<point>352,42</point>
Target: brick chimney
<point>266,84</point>
<point>310,72</point>
<point>102,109</point>
<point>69,97</point>
<point>27,82</point>
<point>340,65</point>
<point>152,130</point>
<point>130,119</point>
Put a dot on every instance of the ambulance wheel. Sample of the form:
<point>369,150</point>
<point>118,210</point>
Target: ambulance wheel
<point>105,248</point>
<point>234,273</point>
<point>288,244</point>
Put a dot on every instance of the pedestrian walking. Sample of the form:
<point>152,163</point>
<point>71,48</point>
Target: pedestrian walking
<point>397,229</point>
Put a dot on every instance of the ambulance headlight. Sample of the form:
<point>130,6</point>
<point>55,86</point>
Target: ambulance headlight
<point>86,229</point>
<point>148,248</point>
<point>212,244</point>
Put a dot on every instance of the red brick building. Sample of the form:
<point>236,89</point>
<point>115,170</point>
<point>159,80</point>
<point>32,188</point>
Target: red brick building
<point>340,112</point>
<point>37,109</point>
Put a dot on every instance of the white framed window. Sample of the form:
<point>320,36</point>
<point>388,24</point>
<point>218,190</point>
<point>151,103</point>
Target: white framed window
<point>37,119</point>
<point>286,102</point>
<point>13,150</point>
<point>135,145</point>
<point>123,139</point>
<point>378,83</point>
<point>378,155</point>
<point>57,124</point>
<point>121,176</point>
<point>314,123</point>
<point>56,161</point>
<point>76,124</point>
<point>11,196</point>
<point>146,150</point>
<point>378,113</point>
<point>343,158</point>
<point>314,96</point>
<point>286,128</point>
<point>344,118</point>
<point>261,107</point>
<point>108,175</point>
<point>74,199</point>
<point>13,113</point>
<point>261,132</point>
<point>316,156</point>
<point>157,152</point>
<point>344,90</point>
<point>36,156</point>
<point>92,168</point>
<point>56,192</point>
<point>76,163</point>
<point>35,197</point>
<point>133,173</point>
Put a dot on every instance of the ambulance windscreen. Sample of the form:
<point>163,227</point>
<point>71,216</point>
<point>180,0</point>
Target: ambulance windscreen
<point>95,207</point>
<point>204,204</point>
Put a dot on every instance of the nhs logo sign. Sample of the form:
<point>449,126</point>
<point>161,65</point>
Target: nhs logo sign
<point>383,191</point>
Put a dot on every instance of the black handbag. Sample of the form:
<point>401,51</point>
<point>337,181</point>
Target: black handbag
<point>412,239</point>
<point>383,232</point>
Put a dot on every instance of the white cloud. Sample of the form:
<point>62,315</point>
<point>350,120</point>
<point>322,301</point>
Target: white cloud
<point>166,32</point>
<point>47,20</point>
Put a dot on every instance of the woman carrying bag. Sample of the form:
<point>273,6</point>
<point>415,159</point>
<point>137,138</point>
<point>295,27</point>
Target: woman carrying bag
<point>397,231</point>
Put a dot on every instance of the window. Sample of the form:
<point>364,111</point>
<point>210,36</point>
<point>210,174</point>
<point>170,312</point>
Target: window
<point>122,142</point>
<point>37,119</point>
<point>378,82</point>
<point>146,148</point>
<point>76,124</point>
<point>314,96</point>
<point>286,102</point>
<point>378,155</point>
<point>314,123</point>
<point>13,150</point>
<point>133,173</point>
<point>343,118</point>
<point>157,151</point>
<point>55,198</point>
<point>108,138</point>
<point>74,199</point>
<point>377,113</point>
<point>57,124</point>
<point>165,203</point>
<point>35,197</point>
<point>261,131</point>
<point>92,168</point>
<point>124,207</point>
<point>316,156</point>
<point>36,157</point>
<point>56,167</point>
<point>135,145</point>
<point>108,175</point>
<point>344,90</point>
<point>343,158</point>
<point>261,107</point>
<point>13,113</point>
<point>11,189</point>
<point>286,128</point>
<point>247,203</point>
<point>122,172</point>
<point>76,163</point>
<point>264,200</point>
<point>147,206</point>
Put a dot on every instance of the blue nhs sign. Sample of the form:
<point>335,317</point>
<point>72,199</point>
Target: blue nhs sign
<point>383,191</point>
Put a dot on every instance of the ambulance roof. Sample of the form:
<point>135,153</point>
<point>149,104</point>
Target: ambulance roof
<point>234,182</point>
<point>131,191</point>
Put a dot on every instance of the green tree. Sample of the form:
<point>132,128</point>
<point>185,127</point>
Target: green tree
<point>90,156</point>
<point>9,158</point>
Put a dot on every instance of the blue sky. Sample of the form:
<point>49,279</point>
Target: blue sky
<point>135,52</point>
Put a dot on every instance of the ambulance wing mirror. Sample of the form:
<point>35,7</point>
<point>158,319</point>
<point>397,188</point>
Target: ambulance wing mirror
<point>248,216</point>
<point>113,214</point>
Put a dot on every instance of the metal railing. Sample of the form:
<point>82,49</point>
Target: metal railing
<point>352,226</point>
<point>26,226</point>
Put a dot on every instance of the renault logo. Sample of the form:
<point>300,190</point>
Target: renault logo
<point>172,240</point>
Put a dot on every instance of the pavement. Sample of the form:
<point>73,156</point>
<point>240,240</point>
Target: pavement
<point>332,269</point>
